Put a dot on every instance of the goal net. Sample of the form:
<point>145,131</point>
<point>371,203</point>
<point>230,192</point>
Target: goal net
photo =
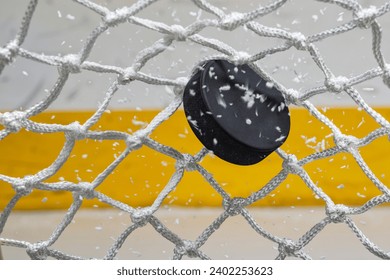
<point>329,79</point>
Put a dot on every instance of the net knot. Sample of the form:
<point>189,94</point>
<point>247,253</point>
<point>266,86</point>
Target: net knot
<point>25,186</point>
<point>8,53</point>
<point>187,248</point>
<point>23,190</point>
<point>141,216</point>
<point>337,213</point>
<point>241,57</point>
<point>178,89</point>
<point>298,40</point>
<point>234,206</point>
<point>346,142</point>
<point>232,20</point>
<point>12,121</point>
<point>178,32</point>
<point>287,247</point>
<point>365,17</point>
<point>37,251</point>
<point>291,165</point>
<point>292,96</point>
<point>112,19</point>
<point>134,142</point>
<point>71,63</point>
<point>188,162</point>
<point>86,190</point>
<point>128,75</point>
<point>76,131</point>
<point>336,84</point>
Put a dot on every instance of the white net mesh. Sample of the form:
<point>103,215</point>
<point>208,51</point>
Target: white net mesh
<point>73,63</point>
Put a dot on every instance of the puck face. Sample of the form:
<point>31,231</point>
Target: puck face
<point>235,112</point>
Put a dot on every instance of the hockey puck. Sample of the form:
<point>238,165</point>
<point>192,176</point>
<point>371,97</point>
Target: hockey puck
<point>235,113</point>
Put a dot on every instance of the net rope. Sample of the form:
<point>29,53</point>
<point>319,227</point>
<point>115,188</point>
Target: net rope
<point>73,63</point>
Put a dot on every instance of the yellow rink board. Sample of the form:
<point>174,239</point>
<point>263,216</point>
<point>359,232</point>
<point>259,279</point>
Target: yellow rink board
<point>141,176</point>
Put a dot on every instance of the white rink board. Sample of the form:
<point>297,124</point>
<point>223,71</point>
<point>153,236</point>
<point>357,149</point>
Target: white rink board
<point>60,27</point>
<point>93,232</point>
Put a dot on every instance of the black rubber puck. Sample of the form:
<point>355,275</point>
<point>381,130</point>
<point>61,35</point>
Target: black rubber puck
<point>235,113</point>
